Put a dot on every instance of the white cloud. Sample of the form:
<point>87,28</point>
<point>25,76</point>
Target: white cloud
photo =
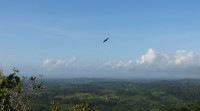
<point>183,56</point>
<point>180,57</point>
<point>149,57</point>
<point>181,63</point>
<point>60,63</point>
<point>48,63</point>
<point>118,64</point>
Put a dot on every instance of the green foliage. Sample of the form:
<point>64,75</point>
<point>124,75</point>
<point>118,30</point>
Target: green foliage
<point>15,91</point>
<point>190,107</point>
<point>54,106</point>
<point>78,107</point>
<point>10,98</point>
<point>82,107</point>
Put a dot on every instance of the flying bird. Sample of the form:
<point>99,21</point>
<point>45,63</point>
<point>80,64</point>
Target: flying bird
<point>105,40</point>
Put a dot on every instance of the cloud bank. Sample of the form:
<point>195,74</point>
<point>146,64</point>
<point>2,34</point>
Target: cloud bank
<point>152,64</point>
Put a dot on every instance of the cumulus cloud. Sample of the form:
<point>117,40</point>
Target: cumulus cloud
<point>180,57</point>
<point>183,56</point>
<point>149,57</point>
<point>181,63</point>
<point>60,63</point>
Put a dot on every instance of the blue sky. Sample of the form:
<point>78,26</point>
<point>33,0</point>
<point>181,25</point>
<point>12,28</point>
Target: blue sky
<point>66,37</point>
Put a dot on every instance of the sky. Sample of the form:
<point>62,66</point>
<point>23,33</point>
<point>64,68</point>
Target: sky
<point>64,38</point>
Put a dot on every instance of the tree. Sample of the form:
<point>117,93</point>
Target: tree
<point>15,91</point>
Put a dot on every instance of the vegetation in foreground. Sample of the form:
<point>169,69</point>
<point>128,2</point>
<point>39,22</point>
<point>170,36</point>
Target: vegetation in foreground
<point>16,91</point>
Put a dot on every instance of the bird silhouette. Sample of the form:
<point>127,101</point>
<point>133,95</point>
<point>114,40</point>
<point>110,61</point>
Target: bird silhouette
<point>105,40</point>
